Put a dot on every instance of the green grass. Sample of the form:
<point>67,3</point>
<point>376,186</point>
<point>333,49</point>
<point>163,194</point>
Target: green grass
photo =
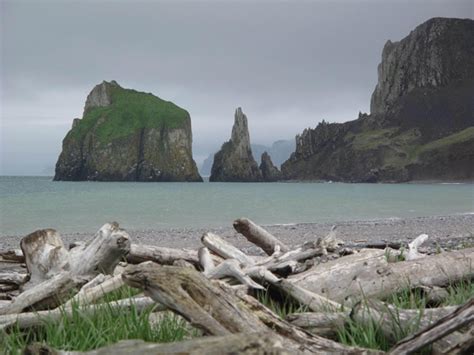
<point>81,332</point>
<point>372,139</point>
<point>370,336</point>
<point>402,149</point>
<point>459,137</point>
<point>106,325</point>
<point>281,308</point>
<point>129,111</point>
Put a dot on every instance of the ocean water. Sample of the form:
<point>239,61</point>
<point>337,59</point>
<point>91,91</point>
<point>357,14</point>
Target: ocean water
<point>30,203</point>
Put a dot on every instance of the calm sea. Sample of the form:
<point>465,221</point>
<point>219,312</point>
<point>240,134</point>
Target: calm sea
<point>30,203</point>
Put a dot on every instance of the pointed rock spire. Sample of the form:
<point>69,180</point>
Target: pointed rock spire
<point>235,162</point>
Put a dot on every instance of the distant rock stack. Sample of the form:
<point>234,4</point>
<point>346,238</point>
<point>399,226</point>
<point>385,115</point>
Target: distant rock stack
<point>126,135</point>
<point>269,171</point>
<point>235,162</point>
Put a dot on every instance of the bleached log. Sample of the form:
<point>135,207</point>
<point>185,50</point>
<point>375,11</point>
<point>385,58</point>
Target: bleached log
<point>161,255</point>
<point>56,274</point>
<point>33,319</point>
<point>48,293</point>
<point>330,242</point>
<point>219,310</point>
<point>102,253</point>
<point>291,258</point>
<point>231,268</point>
<point>224,249</point>
<point>13,277</point>
<point>313,301</point>
<point>462,316</point>
<point>12,256</point>
<point>205,259</point>
<point>369,273</point>
<point>96,292</point>
<point>325,324</point>
<point>8,287</point>
<point>413,253</point>
<point>258,236</point>
<point>183,263</point>
<point>241,343</point>
<point>465,344</point>
<point>45,255</point>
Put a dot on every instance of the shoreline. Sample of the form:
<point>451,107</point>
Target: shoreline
<point>447,231</point>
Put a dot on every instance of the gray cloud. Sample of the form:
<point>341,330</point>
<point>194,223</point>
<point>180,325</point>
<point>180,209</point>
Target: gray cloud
<point>288,64</point>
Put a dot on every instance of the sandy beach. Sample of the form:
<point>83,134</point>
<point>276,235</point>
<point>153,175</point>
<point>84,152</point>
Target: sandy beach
<point>454,231</point>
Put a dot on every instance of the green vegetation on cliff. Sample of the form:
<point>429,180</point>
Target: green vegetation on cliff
<point>127,135</point>
<point>128,112</point>
<point>456,138</point>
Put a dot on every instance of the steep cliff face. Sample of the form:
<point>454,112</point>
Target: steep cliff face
<point>435,54</point>
<point>126,135</point>
<point>422,121</point>
<point>235,162</point>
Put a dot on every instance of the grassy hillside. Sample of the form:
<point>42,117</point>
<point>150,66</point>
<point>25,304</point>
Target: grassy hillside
<point>130,111</point>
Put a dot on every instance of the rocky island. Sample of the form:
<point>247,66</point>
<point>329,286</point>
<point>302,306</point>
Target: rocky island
<point>421,125</point>
<point>126,135</point>
<point>235,162</point>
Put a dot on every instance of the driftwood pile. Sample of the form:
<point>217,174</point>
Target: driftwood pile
<point>213,289</point>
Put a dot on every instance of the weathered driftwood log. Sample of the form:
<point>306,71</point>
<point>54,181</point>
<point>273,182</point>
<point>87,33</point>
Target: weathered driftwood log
<point>91,294</point>
<point>45,255</point>
<point>205,259</point>
<point>330,242</point>
<point>12,256</point>
<point>461,317</point>
<point>102,253</point>
<point>32,319</point>
<point>254,343</point>
<point>56,273</point>
<point>231,268</point>
<point>226,250</point>
<point>258,236</point>
<point>465,344</point>
<point>313,301</point>
<point>369,273</point>
<point>289,260</point>
<point>13,277</point>
<point>46,294</point>
<point>413,246</point>
<point>379,245</point>
<point>8,287</point>
<point>140,253</point>
<point>219,310</point>
<point>325,324</point>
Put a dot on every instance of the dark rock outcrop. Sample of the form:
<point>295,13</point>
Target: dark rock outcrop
<point>126,135</point>
<point>422,122</point>
<point>269,171</point>
<point>235,162</point>
<point>279,152</point>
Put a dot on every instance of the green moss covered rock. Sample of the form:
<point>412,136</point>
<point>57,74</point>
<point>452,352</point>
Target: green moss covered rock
<point>126,135</point>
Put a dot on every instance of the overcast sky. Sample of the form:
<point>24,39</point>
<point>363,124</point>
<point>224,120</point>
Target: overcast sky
<point>287,64</point>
